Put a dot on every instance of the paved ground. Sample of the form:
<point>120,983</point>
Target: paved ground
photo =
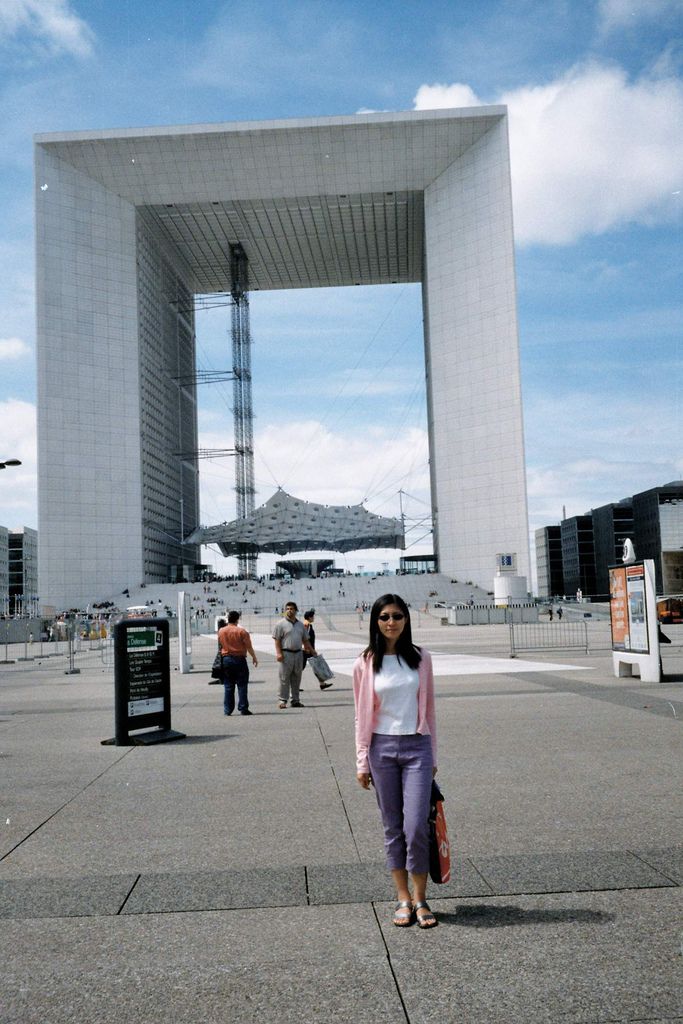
<point>236,875</point>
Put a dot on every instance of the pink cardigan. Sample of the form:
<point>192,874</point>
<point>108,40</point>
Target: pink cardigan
<point>366,705</point>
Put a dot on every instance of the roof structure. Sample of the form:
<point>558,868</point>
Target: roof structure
<point>315,202</point>
<point>285,523</point>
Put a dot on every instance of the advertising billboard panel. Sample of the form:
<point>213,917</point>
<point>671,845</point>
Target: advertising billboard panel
<point>628,609</point>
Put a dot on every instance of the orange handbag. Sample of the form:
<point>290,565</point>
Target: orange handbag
<point>439,846</point>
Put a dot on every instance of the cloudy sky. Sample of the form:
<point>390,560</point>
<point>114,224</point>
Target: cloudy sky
<point>594,90</point>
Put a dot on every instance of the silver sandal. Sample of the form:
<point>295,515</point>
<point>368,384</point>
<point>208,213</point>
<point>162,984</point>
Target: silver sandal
<point>402,919</point>
<point>427,920</point>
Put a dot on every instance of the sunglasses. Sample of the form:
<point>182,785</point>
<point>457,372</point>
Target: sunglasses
<point>395,616</point>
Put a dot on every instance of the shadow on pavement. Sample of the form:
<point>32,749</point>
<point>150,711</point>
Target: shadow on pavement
<point>484,916</point>
<point>207,739</point>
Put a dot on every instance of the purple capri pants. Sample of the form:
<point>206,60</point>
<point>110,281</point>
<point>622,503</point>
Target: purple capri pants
<point>401,770</point>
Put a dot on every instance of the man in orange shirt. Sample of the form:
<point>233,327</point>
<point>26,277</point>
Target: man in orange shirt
<point>235,644</point>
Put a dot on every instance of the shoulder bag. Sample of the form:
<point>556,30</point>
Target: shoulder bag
<point>439,846</point>
<point>321,669</point>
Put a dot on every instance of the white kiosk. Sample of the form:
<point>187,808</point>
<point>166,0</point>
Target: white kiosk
<point>508,587</point>
<point>184,632</point>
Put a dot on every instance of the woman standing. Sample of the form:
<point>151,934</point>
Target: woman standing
<point>235,643</point>
<point>393,689</point>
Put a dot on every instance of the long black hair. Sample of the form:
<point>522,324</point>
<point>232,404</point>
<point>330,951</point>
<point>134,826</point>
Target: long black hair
<point>405,648</point>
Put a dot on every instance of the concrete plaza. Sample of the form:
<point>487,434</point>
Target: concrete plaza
<point>236,875</point>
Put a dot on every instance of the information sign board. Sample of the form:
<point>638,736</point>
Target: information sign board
<point>142,682</point>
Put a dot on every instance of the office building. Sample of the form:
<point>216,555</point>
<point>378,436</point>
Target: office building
<point>578,556</point>
<point>590,544</point>
<point>23,571</point>
<point>658,533</point>
<point>612,524</point>
<point>4,570</point>
<point>549,578</point>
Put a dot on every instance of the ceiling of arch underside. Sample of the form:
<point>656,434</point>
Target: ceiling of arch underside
<point>314,202</point>
<point>303,242</point>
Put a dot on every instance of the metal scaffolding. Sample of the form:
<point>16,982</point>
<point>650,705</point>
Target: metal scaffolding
<point>243,412</point>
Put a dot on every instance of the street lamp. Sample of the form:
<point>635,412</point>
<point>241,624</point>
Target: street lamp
<point>10,462</point>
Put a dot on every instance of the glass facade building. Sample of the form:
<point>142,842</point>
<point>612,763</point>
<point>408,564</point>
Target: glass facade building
<point>658,533</point>
<point>23,571</point>
<point>612,524</point>
<point>550,581</point>
<point>652,519</point>
<point>578,556</point>
<point>4,570</point>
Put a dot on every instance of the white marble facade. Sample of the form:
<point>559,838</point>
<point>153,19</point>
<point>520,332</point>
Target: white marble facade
<point>475,407</point>
<point>369,199</point>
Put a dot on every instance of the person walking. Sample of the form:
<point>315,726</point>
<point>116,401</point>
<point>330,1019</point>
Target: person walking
<point>291,641</point>
<point>393,692</point>
<point>309,623</point>
<point>235,644</point>
<point>309,618</point>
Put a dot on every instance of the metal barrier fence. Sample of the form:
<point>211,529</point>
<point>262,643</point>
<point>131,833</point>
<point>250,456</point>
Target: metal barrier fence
<point>22,640</point>
<point>548,636</point>
<point>488,614</point>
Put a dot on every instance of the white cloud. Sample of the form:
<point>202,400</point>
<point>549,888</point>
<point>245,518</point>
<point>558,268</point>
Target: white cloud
<point>432,97</point>
<point>338,468</point>
<point>590,151</point>
<point>619,14</point>
<point>51,23</point>
<point>317,464</point>
<point>18,485</point>
<point>13,348</point>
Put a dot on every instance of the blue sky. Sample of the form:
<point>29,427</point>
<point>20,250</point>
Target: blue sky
<point>594,90</point>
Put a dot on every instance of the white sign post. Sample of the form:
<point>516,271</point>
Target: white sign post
<point>184,632</point>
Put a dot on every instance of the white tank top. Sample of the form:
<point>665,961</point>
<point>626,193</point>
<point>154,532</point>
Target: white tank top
<point>396,688</point>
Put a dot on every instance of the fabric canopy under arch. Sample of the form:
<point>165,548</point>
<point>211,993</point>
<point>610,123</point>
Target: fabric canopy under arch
<point>285,523</point>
